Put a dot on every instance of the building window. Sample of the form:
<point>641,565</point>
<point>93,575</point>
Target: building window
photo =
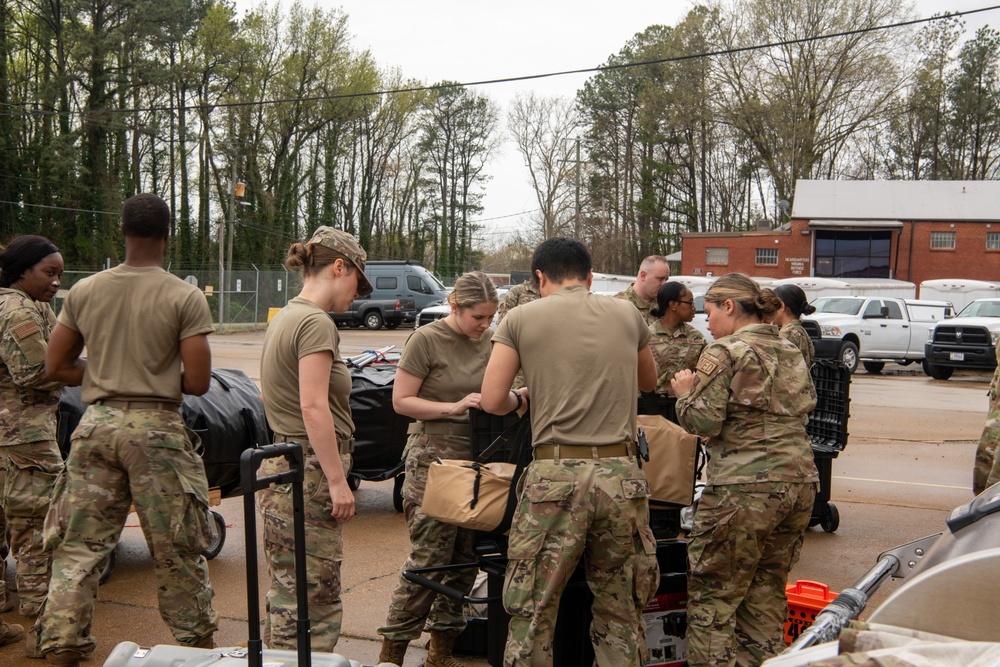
<point>766,256</point>
<point>853,254</point>
<point>993,240</point>
<point>717,255</point>
<point>942,240</point>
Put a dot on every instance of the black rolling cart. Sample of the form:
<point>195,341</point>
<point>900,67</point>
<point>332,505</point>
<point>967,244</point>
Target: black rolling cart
<point>827,430</point>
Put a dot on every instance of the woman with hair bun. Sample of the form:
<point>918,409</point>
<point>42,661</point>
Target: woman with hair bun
<point>675,345</point>
<point>31,271</point>
<point>749,397</point>
<point>306,390</point>
<point>794,304</point>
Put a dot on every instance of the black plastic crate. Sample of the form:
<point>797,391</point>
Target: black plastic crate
<point>486,428</point>
<point>827,426</point>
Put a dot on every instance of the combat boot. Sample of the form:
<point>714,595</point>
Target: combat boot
<point>440,647</point>
<point>31,640</point>
<point>393,651</point>
<point>64,658</point>
<point>208,641</point>
<point>10,633</point>
<point>7,602</point>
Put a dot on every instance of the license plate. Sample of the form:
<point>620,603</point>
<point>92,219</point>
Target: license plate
<point>957,356</point>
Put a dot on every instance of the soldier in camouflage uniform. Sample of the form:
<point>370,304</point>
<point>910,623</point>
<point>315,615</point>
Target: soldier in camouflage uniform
<point>749,398</point>
<point>653,272</point>
<point>306,390</point>
<point>437,382</point>
<point>526,292</point>
<point>675,344</point>
<point>139,324</point>
<point>584,498</point>
<point>30,273</point>
<point>986,472</point>
<point>794,304</point>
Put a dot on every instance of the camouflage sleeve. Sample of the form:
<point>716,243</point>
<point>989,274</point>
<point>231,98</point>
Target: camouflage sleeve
<point>22,349</point>
<point>506,303</point>
<point>702,410</point>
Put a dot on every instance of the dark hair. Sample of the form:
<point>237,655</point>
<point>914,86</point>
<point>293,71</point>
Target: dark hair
<point>671,291</point>
<point>22,253</point>
<point>745,293</point>
<point>146,216</point>
<point>561,258</point>
<point>795,300</point>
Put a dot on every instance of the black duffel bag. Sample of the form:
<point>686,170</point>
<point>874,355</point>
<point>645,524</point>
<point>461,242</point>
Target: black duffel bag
<point>379,432</point>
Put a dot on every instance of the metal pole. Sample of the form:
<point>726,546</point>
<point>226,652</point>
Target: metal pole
<point>229,240</point>
<point>222,269</point>
<point>256,292</point>
<point>577,230</point>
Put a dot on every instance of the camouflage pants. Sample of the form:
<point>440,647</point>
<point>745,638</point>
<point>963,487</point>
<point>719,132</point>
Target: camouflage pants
<point>28,475</point>
<point>432,543</point>
<point>118,458</point>
<point>986,472</point>
<point>744,541</point>
<point>324,553</point>
<point>592,509</point>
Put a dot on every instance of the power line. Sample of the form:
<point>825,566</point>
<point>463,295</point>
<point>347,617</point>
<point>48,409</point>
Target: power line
<point>527,77</point>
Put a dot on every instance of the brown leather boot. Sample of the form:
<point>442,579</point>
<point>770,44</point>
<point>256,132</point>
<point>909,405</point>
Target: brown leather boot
<point>208,641</point>
<point>440,647</point>
<point>393,651</point>
<point>64,658</point>
<point>10,633</point>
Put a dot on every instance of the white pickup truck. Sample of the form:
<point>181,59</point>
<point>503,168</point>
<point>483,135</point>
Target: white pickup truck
<point>969,341</point>
<point>873,330</point>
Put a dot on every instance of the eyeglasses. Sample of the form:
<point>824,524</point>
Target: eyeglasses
<point>690,303</point>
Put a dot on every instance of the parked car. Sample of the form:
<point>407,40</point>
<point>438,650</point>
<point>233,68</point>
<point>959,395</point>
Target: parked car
<point>397,279</point>
<point>969,340</point>
<point>373,313</point>
<point>873,330</point>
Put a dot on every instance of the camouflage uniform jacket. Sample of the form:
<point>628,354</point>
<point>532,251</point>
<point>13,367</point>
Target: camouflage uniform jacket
<point>526,292</point>
<point>674,350</point>
<point>752,395</point>
<point>995,384</point>
<point>628,294</point>
<point>28,401</point>
<point>794,333</point>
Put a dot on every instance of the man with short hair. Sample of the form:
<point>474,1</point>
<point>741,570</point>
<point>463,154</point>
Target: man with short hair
<point>653,272</point>
<point>585,357</point>
<point>140,324</point>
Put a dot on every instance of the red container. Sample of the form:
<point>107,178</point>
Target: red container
<point>805,600</point>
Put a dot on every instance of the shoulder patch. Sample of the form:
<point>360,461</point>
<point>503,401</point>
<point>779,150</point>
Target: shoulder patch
<point>707,365</point>
<point>25,329</point>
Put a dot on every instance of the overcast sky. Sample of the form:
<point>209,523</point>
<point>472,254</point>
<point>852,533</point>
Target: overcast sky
<point>472,40</point>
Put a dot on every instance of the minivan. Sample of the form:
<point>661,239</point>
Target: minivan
<point>393,279</point>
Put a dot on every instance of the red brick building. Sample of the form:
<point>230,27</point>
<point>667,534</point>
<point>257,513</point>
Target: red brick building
<point>906,230</point>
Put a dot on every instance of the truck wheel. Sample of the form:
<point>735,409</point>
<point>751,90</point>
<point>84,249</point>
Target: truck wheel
<point>874,367</point>
<point>849,357</point>
<point>938,372</point>
<point>373,320</point>
<point>391,325</point>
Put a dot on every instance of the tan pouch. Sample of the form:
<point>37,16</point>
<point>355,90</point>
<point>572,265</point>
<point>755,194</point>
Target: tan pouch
<point>468,494</point>
<point>673,456</point>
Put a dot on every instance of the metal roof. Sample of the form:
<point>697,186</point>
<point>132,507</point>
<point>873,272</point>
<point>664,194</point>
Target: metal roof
<point>953,201</point>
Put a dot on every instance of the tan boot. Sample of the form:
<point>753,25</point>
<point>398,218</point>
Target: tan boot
<point>64,658</point>
<point>31,641</point>
<point>7,602</point>
<point>440,647</point>
<point>393,651</point>
<point>10,633</point>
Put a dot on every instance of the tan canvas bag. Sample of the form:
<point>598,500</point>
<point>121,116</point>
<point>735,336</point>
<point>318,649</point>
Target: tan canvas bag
<point>673,456</point>
<point>468,494</point>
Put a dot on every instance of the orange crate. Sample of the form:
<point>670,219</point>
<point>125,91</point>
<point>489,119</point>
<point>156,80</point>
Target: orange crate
<point>805,600</point>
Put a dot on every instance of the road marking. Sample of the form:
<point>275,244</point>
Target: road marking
<point>893,481</point>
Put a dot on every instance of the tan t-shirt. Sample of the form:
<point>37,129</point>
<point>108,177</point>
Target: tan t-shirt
<point>450,364</point>
<point>132,320</point>
<point>579,352</point>
<point>299,329</point>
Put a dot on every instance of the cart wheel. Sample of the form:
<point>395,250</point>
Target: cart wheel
<point>353,482</point>
<point>108,567</point>
<point>397,491</point>
<point>217,531</point>
<point>831,520</point>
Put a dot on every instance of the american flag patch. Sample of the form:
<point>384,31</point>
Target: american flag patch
<point>25,329</point>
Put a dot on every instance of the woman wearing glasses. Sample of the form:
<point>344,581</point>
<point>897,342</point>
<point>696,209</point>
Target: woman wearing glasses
<point>676,345</point>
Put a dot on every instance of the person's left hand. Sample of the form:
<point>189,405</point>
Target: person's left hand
<point>683,381</point>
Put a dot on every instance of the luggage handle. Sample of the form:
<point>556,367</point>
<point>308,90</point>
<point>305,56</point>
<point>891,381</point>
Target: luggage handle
<point>250,461</point>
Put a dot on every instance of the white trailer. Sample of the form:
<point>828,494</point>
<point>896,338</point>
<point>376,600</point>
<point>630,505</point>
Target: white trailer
<point>820,287</point>
<point>959,291</point>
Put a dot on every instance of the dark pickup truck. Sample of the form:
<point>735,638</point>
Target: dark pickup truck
<point>373,313</point>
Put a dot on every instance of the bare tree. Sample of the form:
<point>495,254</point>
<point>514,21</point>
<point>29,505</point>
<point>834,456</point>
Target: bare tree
<point>543,129</point>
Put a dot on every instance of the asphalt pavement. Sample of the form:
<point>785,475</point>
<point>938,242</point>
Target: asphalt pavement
<point>908,462</point>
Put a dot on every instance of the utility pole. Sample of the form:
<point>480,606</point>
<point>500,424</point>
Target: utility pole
<point>576,222</point>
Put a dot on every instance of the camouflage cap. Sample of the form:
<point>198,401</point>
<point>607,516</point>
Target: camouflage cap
<point>348,246</point>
